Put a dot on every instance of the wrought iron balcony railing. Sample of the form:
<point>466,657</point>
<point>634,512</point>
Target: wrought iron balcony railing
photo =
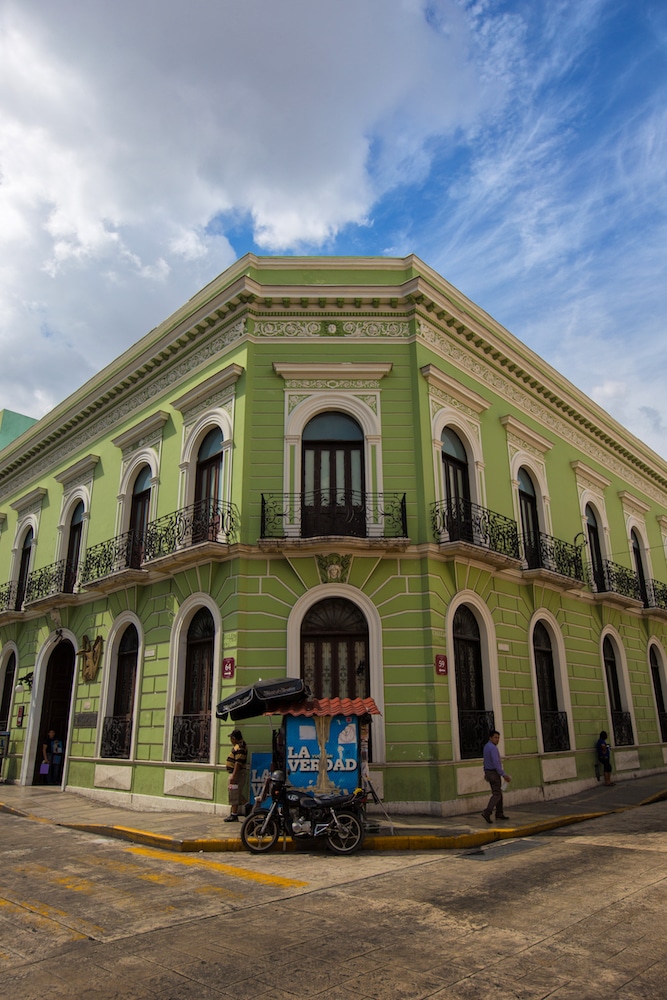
<point>191,739</point>
<point>58,578</point>
<point>555,731</point>
<point>474,729</point>
<point>205,521</point>
<point>657,594</point>
<point>116,554</point>
<point>611,578</point>
<point>116,737</point>
<point>545,552</point>
<point>622,725</point>
<point>8,597</point>
<point>335,512</point>
<point>459,520</point>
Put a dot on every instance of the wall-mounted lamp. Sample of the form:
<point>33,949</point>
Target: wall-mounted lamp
<point>26,679</point>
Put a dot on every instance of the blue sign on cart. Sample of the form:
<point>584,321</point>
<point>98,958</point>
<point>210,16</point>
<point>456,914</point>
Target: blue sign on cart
<point>338,770</point>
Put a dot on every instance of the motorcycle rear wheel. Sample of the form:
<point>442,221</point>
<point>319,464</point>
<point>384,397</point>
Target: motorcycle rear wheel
<point>259,834</point>
<point>348,836</point>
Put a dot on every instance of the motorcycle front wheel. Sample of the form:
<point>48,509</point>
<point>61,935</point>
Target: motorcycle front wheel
<point>259,833</point>
<point>348,836</point>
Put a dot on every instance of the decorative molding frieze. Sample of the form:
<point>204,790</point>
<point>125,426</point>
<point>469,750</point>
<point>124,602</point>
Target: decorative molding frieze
<point>210,392</point>
<point>116,414</point>
<point>78,474</point>
<point>448,388</point>
<point>146,434</point>
<point>31,503</point>
<point>332,375</point>
<point>525,437</point>
<point>632,505</point>
<point>461,358</point>
<point>589,479</point>
<point>361,329</point>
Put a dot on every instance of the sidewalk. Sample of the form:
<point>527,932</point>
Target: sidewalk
<point>188,831</point>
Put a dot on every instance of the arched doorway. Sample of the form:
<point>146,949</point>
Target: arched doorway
<point>334,650</point>
<point>457,487</point>
<point>56,701</point>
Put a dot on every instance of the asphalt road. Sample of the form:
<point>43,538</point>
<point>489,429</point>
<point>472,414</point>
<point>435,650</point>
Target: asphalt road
<point>578,913</point>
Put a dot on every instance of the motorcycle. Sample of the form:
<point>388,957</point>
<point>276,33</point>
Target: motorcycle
<point>297,814</point>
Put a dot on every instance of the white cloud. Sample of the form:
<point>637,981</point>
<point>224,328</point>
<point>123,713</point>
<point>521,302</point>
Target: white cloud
<point>126,128</point>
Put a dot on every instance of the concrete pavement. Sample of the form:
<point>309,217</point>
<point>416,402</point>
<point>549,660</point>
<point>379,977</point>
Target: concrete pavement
<point>196,831</point>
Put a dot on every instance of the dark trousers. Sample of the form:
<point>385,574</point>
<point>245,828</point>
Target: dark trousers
<point>496,800</point>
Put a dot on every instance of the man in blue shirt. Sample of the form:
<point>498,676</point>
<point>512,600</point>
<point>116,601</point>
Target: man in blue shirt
<point>494,773</point>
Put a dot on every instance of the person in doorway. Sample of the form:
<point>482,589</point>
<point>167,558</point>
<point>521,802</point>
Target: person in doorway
<point>603,751</point>
<point>52,758</point>
<point>494,774</point>
<point>237,762</point>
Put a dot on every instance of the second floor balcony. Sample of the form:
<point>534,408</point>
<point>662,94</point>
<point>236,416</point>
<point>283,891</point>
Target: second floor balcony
<point>51,581</point>
<point>613,579</point>
<point>208,522</point>
<point>345,513</point>
<point>458,520</point>
<point>544,552</point>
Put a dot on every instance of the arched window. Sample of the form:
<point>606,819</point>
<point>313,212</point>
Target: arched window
<point>7,691</point>
<point>595,551</point>
<point>117,730</point>
<point>334,650</point>
<point>555,733</point>
<point>208,487</point>
<point>24,568</point>
<point>332,467</point>
<point>475,722</point>
<point>639,566</point>
<point>530,525</point>
<point>139,513</point>
<point>620,718</point>
<point>192,729</point>
<point>73,549</point>
<point>458,516</point>
<point>656,677</point>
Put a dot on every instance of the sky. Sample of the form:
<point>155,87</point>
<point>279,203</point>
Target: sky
<point>519,147</point>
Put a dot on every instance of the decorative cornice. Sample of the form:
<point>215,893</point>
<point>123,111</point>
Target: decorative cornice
<point>531,437</point>
<point>451,387</point>
<point>583,471</point>
<point>143,429</point>
<point>648,482</point>
<point>209,387</point>
<point>77,473</point>
<point>632,504</point>
<point>33,499</point>
<point>306,372</point>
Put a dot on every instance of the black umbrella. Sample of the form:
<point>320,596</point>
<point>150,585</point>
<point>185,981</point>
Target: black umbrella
<point>262,697</point>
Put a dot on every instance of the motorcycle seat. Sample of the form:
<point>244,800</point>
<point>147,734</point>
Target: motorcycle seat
<point>318,801</point>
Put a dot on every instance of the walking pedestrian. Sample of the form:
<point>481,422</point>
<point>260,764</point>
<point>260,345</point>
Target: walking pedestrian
<point>494,774</point>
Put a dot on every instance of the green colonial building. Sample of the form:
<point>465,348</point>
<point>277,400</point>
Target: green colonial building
<point>344,470</point>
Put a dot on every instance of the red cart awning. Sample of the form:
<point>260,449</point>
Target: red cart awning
<point>327,706</point>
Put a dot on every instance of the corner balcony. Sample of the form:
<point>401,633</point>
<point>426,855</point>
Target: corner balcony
<point>617,583</point>
<point>300,519</point>
<point>553,559</point>
<point>465,529</point>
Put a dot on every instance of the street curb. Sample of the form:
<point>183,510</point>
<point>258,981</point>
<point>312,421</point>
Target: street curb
<point>374,842</point>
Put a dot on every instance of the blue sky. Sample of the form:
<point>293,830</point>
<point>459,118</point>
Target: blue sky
<point>517,147</point>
